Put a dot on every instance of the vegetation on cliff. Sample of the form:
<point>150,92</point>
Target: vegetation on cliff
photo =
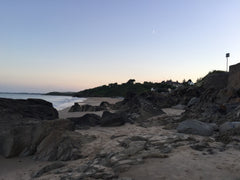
<point>120,90</point>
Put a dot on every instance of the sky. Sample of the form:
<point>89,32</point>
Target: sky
<point>71,45</point>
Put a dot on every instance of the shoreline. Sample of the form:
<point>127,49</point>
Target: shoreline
<point>93,101</point>
<point>210,162</point>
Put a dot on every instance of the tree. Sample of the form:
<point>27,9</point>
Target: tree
<point>131,81</point>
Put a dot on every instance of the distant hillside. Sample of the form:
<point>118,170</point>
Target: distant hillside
<point>120,90</point>
<point>61,93</point>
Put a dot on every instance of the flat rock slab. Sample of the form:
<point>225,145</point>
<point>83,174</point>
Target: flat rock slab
<point>195,127</point>
<point>173,111</point>
<point>227,126</point>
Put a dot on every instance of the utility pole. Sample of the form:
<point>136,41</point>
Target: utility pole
<point>227,56</point>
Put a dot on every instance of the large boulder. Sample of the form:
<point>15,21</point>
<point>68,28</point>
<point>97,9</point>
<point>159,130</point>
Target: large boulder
<point>83,108</point>
<point>88,120</point>
<point>195,127</point>
<point>24,139</point>
<point>75,108</point>
<point>183,94</point>
<point>13,111</point>
<point>193,101</point>
<point>229,126</point>
<point>105,104</point>
<point>113,119</point>
<point>62,145</point>
<point>145,105</point>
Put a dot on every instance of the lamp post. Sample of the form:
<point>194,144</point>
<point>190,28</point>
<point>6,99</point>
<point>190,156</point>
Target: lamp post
<point>227,56</point>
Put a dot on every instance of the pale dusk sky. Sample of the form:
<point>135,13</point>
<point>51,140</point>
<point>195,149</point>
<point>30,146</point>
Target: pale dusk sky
<point>71,45</point>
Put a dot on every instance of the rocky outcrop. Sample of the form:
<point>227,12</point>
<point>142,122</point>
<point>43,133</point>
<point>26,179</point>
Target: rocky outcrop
<point>25,123</point>
<point>124,152</point>
<point>234,77</point>
<point>48,168</point>
<point>24,139</point>
<point>105,105</point>
<point>196,127</point>
<point>13,111</point>
<point>113,119</point>
<point>86,121</point>
<point>193,101</point>
<point>83,108</point>
<point>62,145</point>
<point>215,80</point>
<point>184,94</point>
<point>144,105</point>
<point>229,126</point>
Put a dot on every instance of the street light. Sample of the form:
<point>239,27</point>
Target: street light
<point>227,56</point>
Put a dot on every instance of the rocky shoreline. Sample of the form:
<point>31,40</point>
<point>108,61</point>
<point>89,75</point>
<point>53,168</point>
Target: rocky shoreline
<point>192,132</point>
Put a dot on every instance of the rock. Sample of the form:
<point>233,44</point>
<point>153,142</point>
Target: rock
<point>105,105</point>
<point>150,154</point>
<point>77,108</point>
<point>23,140</point>
<point>113,119</point>
<point>182,95</point>
<point>14,141</point>
<point>134,147</point>
<point>124,178</point>
<point>88,120</point>
<point>227,126</point>
<point>234,76</point>
<point>237,111</point>
<point>216,80</point>
<point>15,110</point>
<point>193,101</point>
<point>227,95</point>
<point>21,123</point>
<point>195,127</point>
<point>179,106</point>
<point>144,105</point>
<point>200,146</point>
<point>48,168</point>
<point>62,145</point>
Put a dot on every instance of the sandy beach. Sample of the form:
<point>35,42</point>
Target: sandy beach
<point>183,163</point>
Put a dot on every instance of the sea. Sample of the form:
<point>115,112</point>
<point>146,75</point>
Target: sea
<point>59,102</point>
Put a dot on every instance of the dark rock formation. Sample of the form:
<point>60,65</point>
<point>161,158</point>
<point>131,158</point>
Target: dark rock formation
<point>215,80</point>
<point>62,145</point>
<point>48,168</point>
<point>144,105</point>
<point>193,101</point>
<point>86,121</point>
<point>83,108</point>
<point>24,139</point>
<point>24,124</point>
<point>113,119</point>
<point>228,126</point>
<point>105,105</point>
<point>13,111</point>
<point>75,108</point>
<point>195,127</point>
<point>234,77</point>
